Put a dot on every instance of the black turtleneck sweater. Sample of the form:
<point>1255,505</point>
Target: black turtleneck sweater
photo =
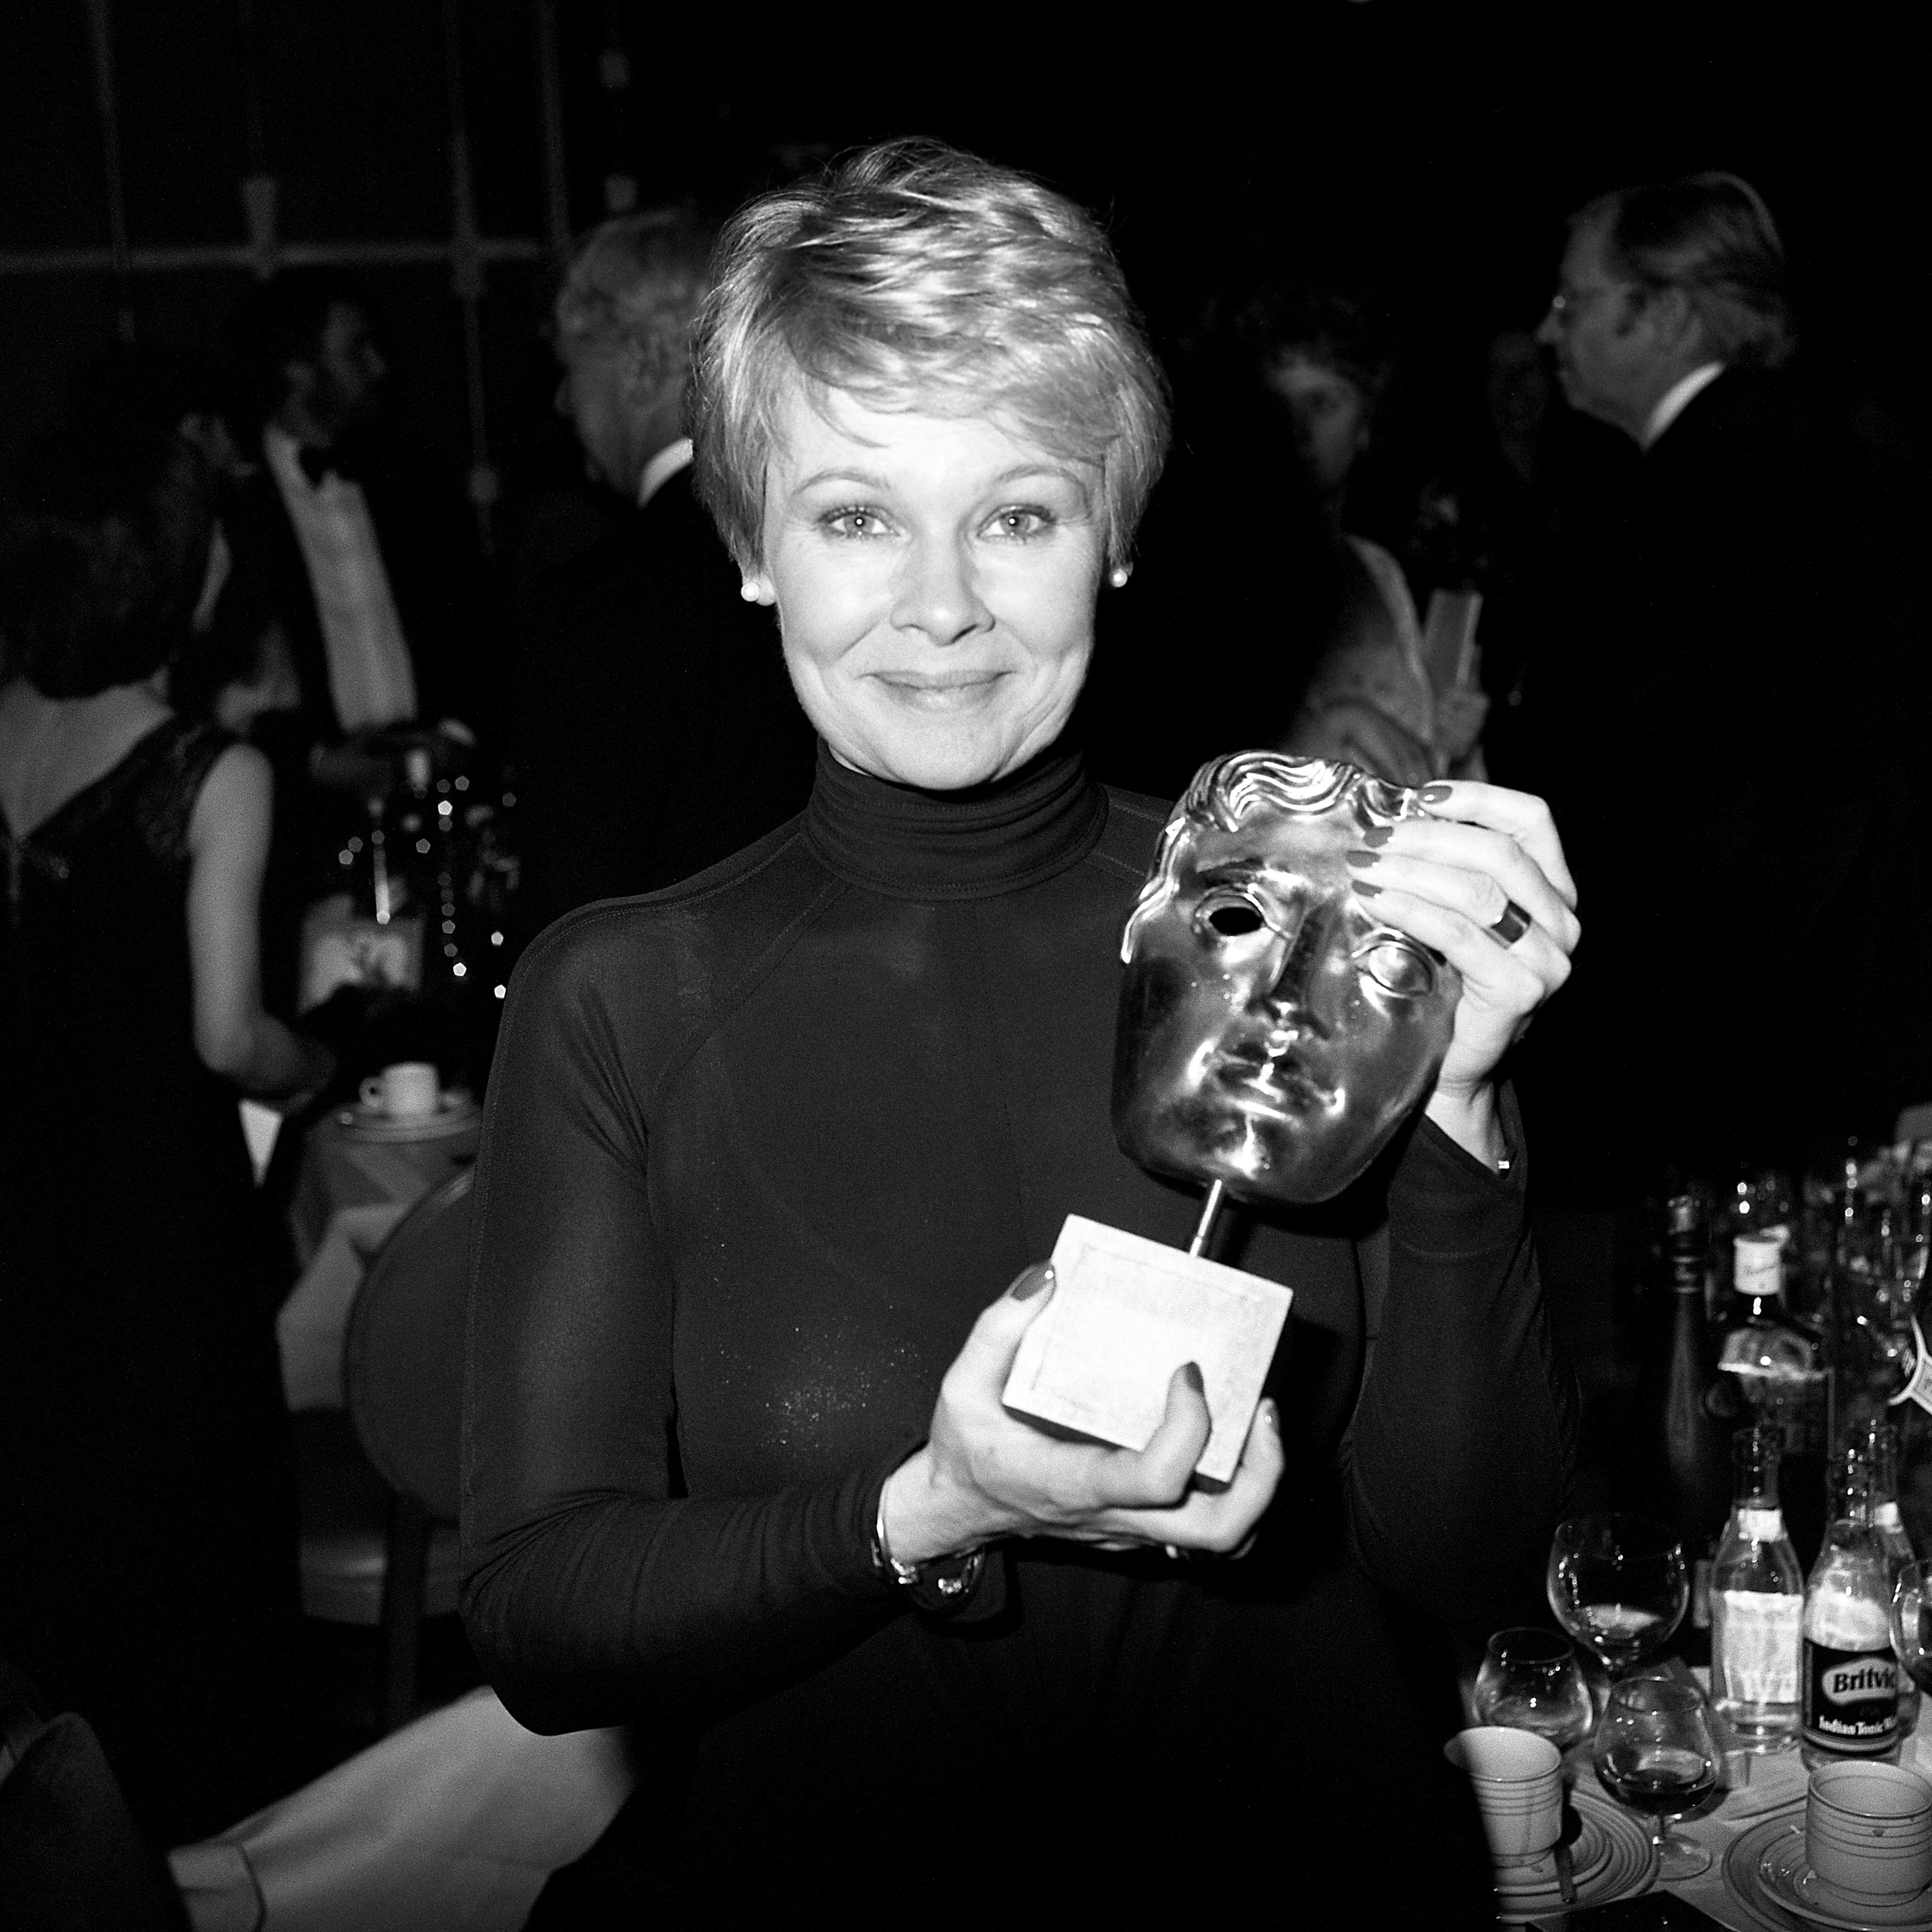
<point>759,1149</point>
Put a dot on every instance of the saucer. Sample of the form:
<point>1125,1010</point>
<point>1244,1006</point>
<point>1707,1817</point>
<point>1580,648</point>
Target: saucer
<point>1537,1872</point>
<point>1785,1876</point>
<point>1628,1865</point>
<point>456,1110</point>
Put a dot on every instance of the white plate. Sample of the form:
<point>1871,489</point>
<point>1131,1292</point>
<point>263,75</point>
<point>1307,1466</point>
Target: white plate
<point>1785,1876</point>
<point>1628,1868</point>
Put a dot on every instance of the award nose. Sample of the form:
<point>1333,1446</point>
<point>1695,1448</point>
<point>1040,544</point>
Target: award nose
<point>1286,996</point>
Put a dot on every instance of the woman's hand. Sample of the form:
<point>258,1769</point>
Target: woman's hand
<point>1486,854</point>
<point>984,1473</point>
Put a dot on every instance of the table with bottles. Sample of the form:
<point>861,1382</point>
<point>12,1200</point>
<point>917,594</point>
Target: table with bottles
<point>407,934</point>
<point>1804,1669</point>
<point>1755,1791</point>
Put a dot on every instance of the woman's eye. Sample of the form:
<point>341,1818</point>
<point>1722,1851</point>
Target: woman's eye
<point>854,522</point>
<point>1232,918</point>
<point>1022,521</point>
<point>1397,968</point>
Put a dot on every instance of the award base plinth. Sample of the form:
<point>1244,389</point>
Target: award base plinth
<point>1126,1313</point>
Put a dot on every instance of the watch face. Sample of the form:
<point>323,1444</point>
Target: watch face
<point>1274,1031</point>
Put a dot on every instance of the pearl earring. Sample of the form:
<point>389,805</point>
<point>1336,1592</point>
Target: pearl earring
<point>749,591</point>
<point>1118,577</point>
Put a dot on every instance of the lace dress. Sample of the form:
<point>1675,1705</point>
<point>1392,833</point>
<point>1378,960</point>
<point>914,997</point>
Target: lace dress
<point>147,1553</point>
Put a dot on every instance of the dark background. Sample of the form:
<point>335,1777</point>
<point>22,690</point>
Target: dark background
<point>1433,151</point>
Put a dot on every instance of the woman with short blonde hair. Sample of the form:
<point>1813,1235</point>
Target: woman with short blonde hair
<point>761,1147</point>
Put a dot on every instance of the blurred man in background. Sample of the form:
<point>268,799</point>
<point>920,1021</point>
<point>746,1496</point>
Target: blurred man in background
<point>1748,803</point>
<point>655,730</point>
<point>356,594</point>
<point>369,571</point>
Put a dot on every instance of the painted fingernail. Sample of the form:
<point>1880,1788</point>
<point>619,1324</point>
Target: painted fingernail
<point>1190,1373</point>
<point>1029,1284</point>
<point>1433,794</point>
<point>1362,886</point>
<point>1358,858</point>
<point>1380,837</point>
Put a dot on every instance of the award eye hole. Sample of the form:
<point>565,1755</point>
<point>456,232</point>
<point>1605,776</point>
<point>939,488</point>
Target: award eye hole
<point>1398,968</point>
<point>1235,920</point>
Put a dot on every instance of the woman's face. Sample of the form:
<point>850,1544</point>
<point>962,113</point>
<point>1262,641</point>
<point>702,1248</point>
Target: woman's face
<point>1330,416</point>
<point>934,577</point>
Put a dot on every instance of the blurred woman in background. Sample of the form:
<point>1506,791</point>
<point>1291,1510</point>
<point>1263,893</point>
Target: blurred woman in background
<point>1326,364</point>
<point>146,1512</point>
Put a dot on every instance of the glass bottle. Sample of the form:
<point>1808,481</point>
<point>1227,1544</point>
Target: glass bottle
<point>1848,1683</point>
<point>1774,1362</point>
<point>1882,1447</point>
<point>1757,1604</point>
<point>1696,1436</point>
<point>1757,1202</point>
<point>1776,1370</point>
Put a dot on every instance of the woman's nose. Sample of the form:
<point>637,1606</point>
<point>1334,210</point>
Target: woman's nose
<point>937,593</point>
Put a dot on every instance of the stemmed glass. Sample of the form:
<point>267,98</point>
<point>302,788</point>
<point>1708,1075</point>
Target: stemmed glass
<point>1912,1622</point>
<point>1654,1753</point>
<point>1617,1584</point>
<point>1529,1680</point>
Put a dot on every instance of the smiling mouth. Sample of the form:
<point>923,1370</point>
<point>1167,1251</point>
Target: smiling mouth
<point>944,691</point>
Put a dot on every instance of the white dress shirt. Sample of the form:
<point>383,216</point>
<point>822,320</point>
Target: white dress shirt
<point>1677,398</point>
<point>370,675</point>
<point>662,467</point>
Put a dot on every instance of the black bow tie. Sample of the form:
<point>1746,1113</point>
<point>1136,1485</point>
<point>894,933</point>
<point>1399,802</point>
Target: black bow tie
<point>317,463</point>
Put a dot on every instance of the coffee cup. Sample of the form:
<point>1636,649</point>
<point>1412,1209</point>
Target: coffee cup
<point>1518,1780</point>
<point>1868,1832</point>
<point>408,1090</point>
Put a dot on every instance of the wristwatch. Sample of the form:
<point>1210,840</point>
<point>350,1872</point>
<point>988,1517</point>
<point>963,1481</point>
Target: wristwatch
<point>943,1583</point>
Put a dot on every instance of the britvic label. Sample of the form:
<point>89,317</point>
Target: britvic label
<point>1851,1698</point>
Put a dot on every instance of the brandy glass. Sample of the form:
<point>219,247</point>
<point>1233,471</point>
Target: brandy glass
<point>1618,1585</point>
<point>1654,1753</point>
<point>1530,1682</point>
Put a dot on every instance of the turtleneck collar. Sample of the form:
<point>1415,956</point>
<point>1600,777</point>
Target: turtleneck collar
<point>912,844</point>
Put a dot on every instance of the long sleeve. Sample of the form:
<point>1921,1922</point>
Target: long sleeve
<point>594,1593</point>
<point>1465,1436</point>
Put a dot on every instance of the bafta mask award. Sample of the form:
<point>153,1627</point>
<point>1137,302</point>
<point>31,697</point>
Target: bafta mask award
<point>1273,1034</point>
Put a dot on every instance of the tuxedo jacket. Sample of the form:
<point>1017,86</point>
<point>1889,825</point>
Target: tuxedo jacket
<point>1753,860</point>
<point>435,577</point>
<point>654,731</point>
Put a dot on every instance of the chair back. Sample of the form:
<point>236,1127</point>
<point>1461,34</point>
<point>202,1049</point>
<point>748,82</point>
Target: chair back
<point>402,1361</point>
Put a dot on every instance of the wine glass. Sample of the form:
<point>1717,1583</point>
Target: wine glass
<point>1654,1753</point>
<point>1617,1584</point>
<point>1529,1680</point>
<point>1912,1622</point>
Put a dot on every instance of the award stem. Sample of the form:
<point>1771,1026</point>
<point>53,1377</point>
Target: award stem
<point>1209,1209</point>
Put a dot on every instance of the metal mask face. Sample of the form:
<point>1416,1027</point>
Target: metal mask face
<point>1273,1033</point>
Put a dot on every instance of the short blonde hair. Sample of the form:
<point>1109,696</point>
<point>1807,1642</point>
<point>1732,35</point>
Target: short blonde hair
<point>915,276</point>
